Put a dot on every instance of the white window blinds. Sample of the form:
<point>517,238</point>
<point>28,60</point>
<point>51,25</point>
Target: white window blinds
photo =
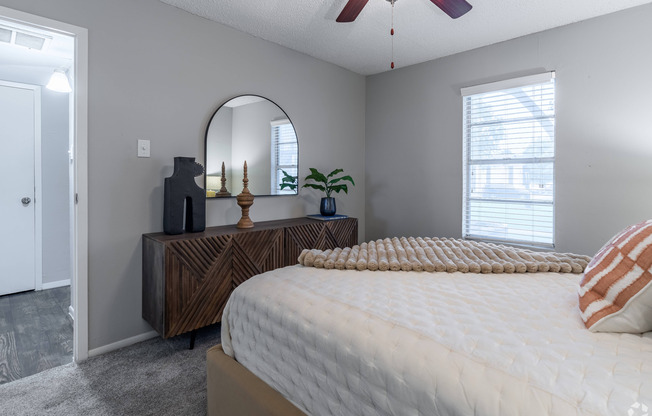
<point>284,155</point>
<point>509,157</point>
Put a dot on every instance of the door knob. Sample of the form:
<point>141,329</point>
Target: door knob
<point>26,200</point>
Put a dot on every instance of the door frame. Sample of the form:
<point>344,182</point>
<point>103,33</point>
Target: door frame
<point>38,206</point>
<point>79,158</point>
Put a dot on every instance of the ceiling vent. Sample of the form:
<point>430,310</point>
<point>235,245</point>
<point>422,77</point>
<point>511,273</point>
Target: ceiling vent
<point>29,41</point>
<point>23,38</point>
<point>5,35</point>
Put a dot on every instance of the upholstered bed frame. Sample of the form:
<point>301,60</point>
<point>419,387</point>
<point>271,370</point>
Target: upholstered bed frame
<point>234,390</point>
<point>446,355</point>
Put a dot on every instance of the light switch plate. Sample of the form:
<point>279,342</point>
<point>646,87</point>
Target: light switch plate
<point>143,148</point>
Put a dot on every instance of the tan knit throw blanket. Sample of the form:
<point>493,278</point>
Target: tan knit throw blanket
<point>442,255</point>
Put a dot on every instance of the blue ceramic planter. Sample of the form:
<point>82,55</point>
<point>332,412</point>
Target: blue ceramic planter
<point>327,206</point>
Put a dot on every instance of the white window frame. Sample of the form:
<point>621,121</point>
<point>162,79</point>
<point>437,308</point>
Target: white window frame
<point>275,166</point>
<point>468,231</point>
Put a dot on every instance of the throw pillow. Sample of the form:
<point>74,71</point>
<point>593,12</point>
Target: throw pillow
<point>616,289</point>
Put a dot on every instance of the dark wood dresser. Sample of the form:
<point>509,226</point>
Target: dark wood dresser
<point>187,278</point>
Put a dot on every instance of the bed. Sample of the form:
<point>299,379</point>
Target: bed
<point>349,342</point>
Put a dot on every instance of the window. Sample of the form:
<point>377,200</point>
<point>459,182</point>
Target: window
<point>284,155</point>
<point>509,158</point>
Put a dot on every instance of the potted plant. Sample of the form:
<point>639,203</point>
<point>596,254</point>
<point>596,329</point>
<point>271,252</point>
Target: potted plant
<point>328,184</point>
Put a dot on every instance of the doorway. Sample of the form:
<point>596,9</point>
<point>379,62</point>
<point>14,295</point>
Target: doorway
<point>72,261</point>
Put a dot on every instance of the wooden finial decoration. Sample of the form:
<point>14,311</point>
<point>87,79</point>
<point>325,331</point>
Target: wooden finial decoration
<point>223,190</point>
<point>245,200</point>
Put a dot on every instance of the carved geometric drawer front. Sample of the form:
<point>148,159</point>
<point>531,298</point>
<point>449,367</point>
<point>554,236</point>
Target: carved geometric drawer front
<point>197,296</point>
<point>321,235</point>
<point>188,278</point>
<point>256,252</point>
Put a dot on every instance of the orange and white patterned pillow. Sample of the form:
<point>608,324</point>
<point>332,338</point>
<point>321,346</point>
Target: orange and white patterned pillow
<point>616,289</point>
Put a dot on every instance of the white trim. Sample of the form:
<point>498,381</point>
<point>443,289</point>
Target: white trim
<point>38,194</point>
<point>80,225</point>
<point>54,285</point>
<point>122,343</point>
<point>80,269</point>
<point>508,83</point>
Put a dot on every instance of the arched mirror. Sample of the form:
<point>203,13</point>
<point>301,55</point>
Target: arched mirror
<point>253,129</point>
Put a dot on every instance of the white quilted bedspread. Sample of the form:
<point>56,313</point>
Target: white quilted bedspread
<point>407,343</point>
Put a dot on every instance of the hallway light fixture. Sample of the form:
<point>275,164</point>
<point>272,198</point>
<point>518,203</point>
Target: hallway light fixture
<point>59,81</point>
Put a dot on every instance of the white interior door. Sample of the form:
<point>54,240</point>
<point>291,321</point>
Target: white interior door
<point>19,109</point>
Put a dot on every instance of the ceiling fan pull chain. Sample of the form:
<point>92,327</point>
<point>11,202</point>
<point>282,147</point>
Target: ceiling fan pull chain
<point>391,33</point>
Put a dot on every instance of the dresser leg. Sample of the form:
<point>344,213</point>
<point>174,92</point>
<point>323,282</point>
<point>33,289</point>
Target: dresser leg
<point>193,335</point>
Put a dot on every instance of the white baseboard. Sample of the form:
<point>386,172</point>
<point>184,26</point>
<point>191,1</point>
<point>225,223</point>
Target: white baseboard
<point>121,344</point>
<point>54,285</point>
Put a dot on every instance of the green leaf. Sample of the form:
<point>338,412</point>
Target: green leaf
<point>314,186</point>
<point>316,176</point>
<point>335,172</point>
<point>338,188</point>
<point>288,178</point>
<point>287,185</point>
<point>343,178</point>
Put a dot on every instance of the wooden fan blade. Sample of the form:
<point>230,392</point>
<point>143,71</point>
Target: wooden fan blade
<point>453,8</point>
<point>351,11</point>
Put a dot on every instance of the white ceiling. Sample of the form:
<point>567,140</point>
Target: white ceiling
<point>422,31</point>
<point>31,65</point>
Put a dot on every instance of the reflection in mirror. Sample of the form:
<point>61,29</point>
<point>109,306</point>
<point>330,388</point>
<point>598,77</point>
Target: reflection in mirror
<point>254,129</point>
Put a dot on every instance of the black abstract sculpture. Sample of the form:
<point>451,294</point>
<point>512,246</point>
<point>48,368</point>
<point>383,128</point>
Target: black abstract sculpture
<point>181,189</point>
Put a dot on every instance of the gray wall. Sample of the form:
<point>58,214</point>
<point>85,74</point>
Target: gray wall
<point>604,141</point>
<point>158,73</point>
<point>252,141</point>
<point>219,146</point>
<point>56,258</point>
<point>56,203</point>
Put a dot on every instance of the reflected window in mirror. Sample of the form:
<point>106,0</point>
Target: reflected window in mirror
<point>285,156</point>
<point>240,130</point>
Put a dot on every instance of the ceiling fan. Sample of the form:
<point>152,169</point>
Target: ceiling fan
<point>453,8</point>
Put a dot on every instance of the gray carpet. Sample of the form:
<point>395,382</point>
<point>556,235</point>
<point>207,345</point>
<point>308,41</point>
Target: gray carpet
<point>154,377</point>
<point>35,332</point>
